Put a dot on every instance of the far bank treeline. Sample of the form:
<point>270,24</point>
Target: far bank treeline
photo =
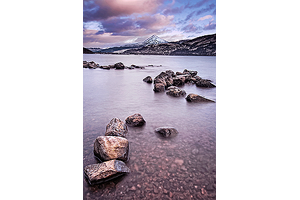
<point>200,46</point>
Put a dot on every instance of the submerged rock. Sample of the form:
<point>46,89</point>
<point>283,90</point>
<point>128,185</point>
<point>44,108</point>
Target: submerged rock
<point>135,120</point>
<point>116,127</point>
<point>101,172</point>
<point>175,91</point>
<point>166,131</point>
<point>148,79</point>
<point>111,147</point>
<point>197,98</point>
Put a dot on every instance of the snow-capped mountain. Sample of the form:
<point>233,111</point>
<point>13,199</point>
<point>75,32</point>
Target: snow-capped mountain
<point>154,39</point>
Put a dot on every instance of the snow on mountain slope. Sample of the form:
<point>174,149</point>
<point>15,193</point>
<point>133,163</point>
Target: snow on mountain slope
<point>154,39</point>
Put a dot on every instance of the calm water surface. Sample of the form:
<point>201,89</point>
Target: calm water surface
<point>181,167</point>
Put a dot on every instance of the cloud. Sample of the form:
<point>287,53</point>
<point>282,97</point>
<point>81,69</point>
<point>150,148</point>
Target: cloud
<point>210,26</point>
<point>173,11</point>
<point>197,5</point>
<point>155,22</point>
<point>191,28</point>
<point>205,17</point>
<point>139,26</point>
<point>209,8</point>
<point>103,9</point>
<point>189,16</point>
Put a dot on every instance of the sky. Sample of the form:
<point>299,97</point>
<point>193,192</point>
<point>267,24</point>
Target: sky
<point>109,23</point>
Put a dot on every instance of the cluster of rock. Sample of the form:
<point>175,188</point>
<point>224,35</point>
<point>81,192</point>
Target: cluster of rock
<point>169,81</point>
<point>112,150</point>
<point>119,65</point>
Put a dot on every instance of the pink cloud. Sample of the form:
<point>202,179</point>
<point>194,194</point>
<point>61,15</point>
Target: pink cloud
<point>205,17</point>
<point>103,9</point>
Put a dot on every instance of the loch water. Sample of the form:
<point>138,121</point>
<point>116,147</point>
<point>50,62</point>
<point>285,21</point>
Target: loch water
<point>180,167</point>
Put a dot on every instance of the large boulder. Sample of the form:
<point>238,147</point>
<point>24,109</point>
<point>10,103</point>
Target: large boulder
<point>166,131</point>
<point>111,148</point>
<point>165,78</point>
<point>119,65</point>
<point>159,87</point>
<point>101,172</point>
<point>116,127</point>
<point>197,98</point>
<point>148,79</point>
<point>135,120</point>
<point>175,91</point>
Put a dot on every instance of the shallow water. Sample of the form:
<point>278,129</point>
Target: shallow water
<point>181,167</point>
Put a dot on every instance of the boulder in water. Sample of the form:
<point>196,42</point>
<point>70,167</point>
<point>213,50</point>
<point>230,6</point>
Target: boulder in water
<point>197,98</point>
<point>119,65</point>
<point>166,131</point>
<point>175,91</point>
<point>135,120</point>
<point>111,148</point>
<point>204,83</point>
<point>116,127</point>
<point>101,172</point>
<point>159,87</point>
<point>148,79</point>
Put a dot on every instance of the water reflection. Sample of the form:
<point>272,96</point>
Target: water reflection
<point>181,167</point>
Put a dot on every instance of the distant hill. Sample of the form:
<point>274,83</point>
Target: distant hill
<point>86,51</point>
<point>154,39</point>
<point>200,46</point>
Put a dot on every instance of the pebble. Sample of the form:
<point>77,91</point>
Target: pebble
<point>178,161</point>
<point>133,188</point>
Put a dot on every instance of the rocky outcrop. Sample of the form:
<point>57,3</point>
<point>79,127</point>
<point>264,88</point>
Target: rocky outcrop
<point>111,148</point>
<point>148,79</point>
<point>101,172</point>
<point>197,98</point>
<point>116,127</point>
<point>166,131</point>
<point>175,91</point>
<point>169,78</point>
<point>135,120</point>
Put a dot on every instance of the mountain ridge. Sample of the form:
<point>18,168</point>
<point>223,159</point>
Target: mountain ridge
<point>199,46</point>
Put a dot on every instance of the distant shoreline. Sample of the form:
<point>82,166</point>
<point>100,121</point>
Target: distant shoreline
<point>147,54</point>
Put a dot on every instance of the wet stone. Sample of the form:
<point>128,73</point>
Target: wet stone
<point>116,127</point>
<point>101,172</point>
